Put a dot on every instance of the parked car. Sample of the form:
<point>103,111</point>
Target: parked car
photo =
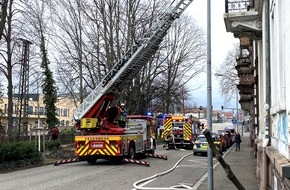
<point>223,139</point>
<point>201,144</point>
<point>231,132</point>
<point>227,137</point>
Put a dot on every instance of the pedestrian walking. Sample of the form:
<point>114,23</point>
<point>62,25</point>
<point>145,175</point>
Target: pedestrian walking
<point>238,141</point>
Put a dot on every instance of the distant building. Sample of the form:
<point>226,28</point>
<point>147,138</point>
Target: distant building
<point>36,114</point>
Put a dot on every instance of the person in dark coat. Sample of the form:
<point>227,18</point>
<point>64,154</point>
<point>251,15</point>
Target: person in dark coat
<point>238,141</point>
<point>54,133</point>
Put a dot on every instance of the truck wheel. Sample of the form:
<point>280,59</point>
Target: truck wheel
<point>117,160</point>
<point>131,151</point>
<point>91,160</point>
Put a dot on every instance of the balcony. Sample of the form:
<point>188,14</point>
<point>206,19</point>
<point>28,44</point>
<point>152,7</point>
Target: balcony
<point>243,18</point>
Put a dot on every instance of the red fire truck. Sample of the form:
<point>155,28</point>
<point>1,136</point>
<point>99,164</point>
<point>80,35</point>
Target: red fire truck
<point>177,132</point>
<point>101,136</point>
<point>115,143</point>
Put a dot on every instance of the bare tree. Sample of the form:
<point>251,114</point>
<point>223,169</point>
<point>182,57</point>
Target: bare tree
<point>227,74</point>
<point>108,29</point>
<point>7,61</point>
<point>67,45</point>
<point>140,92</point>
<point>35,15</point>
<point>90,41</point>
<point>3,15</point>
<point>183,58</point>
<point>87,38</point>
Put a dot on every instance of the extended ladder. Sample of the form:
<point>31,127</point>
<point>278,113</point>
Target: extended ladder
<point>134,59</point>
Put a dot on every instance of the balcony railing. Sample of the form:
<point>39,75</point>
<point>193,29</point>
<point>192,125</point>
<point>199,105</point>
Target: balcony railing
<point>238,5</point>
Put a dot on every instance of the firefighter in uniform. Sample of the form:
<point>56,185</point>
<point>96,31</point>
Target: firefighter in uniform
<point>123,116</point>
<point>168,137</point>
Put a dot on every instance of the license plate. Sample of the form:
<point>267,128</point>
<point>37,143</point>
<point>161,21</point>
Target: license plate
<point>96,145</point>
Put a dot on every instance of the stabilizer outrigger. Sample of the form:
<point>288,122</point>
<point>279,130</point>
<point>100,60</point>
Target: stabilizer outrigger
<point>124,160</point>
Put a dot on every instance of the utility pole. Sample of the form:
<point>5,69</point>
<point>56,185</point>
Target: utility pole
<point>237,108</point>
<point>24,87</point>
<point>209,96</point>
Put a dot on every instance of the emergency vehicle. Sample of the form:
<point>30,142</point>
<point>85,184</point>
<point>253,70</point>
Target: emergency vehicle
<point>177,131</point>
<point>96,117</point>
<point>138,137</point>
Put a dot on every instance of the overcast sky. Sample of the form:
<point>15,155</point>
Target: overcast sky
<point>221,43</point>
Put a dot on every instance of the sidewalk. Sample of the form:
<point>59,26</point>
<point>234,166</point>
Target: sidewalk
<point>242,163</point>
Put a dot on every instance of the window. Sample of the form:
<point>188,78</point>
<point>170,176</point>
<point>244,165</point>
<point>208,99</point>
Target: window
<point>65,112</point>
<point>57,111</point>
<point>41,110</point>
<point>30,109</point>
<point>15,109</point>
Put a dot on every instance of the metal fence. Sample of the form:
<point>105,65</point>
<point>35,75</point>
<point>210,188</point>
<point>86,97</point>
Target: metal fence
<point>66,138</point>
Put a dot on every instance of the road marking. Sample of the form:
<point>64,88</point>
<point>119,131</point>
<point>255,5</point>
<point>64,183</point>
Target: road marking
<point>190,166</point>
<point>195,161</point>
<point>200,181</point>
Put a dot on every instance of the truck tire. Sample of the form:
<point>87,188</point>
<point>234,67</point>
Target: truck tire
<point>117,160</point>
<point>92,160</point>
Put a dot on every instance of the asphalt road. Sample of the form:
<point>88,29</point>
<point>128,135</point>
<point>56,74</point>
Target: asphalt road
<point>81,175</point>
<point>106,176</point>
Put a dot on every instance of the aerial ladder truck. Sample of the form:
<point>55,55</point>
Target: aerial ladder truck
<point>101,136</point>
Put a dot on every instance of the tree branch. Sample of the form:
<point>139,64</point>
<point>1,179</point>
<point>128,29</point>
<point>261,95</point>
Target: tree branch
<point>219,157</point>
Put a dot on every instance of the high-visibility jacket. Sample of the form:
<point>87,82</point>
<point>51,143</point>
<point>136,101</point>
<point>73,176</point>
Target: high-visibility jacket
<point>167,136</point>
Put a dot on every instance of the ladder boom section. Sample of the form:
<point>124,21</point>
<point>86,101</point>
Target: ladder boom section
<point>134,59</point>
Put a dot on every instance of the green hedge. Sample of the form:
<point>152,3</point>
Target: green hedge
<point>52,144</point>
<point>18,154</point>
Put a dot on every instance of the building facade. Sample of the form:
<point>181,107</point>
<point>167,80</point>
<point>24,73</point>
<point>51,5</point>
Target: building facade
<point>263,27</point>
<point>35,113</point>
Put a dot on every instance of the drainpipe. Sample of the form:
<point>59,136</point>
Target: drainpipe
<point>267,137</point>
<point>268,78</point>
